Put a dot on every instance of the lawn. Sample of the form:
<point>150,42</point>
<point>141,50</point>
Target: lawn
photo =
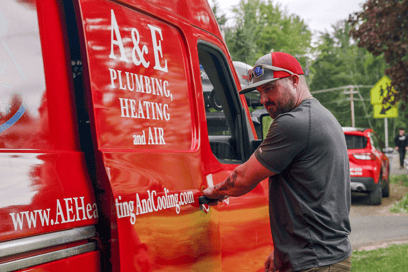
<point>401,206</point>
<point>392,258</point>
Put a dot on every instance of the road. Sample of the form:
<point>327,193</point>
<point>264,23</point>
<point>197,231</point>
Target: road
<point>373,226</point>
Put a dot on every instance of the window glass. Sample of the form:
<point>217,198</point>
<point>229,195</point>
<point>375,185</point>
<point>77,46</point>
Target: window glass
<point>23,107</point>
<point>216,120</point>
<point>221,105</point>
<point>356,142</point>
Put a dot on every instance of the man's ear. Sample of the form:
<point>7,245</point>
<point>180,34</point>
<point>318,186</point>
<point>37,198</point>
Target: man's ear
<point>295,80</point>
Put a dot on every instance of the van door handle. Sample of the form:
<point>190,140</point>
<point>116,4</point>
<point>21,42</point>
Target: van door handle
<point>205,200</point>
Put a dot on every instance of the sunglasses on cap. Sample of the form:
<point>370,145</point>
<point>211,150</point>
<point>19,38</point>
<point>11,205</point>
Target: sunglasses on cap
<point>259,70</point>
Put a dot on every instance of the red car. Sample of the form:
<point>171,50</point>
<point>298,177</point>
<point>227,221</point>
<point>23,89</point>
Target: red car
<point>369,166</point>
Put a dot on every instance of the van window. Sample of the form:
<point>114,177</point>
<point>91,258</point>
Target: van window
<point>221,104</point>
<point>23,106</point>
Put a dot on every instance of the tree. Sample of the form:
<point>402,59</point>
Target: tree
<point>262,27</point>
<point>382,28</point>
<point>341,62</point>
<point>220,17</point>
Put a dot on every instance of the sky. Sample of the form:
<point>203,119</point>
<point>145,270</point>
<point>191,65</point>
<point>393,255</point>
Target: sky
<point>319,15</point>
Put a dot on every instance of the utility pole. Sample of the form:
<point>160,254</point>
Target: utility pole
<point>353,122</point>
<point>351,92</point>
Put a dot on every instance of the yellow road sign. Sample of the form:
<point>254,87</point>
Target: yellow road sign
<point>379,91</point>
<point>383,99</point>
<point>382,111</point>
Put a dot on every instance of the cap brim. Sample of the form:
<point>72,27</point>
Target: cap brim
<point>253,86</point>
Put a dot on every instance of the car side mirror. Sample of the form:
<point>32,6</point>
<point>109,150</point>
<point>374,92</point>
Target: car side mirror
<point>388,150</point>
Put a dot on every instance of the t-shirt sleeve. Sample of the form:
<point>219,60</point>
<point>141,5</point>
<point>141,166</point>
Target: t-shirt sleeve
<point>286,138</point>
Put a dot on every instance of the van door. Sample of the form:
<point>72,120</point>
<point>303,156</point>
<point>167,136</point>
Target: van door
<point>146,125</point>
<point>226,141</point>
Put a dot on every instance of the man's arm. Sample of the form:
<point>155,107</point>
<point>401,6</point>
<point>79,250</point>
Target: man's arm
<point>243,179</point>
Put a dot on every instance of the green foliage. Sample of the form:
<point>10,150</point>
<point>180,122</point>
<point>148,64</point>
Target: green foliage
<point>382,28</point>
<point>392,258</point>
<point>220,17</point>
<point>341,63</point>
<point>400,179</point>
<point>400,206</point>
<point>262,27</point>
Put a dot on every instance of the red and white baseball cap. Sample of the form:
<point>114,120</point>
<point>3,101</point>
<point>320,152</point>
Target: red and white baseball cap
<point>272,67</point>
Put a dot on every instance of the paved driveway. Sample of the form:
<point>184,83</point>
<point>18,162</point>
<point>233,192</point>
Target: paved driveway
<point>376,225</point>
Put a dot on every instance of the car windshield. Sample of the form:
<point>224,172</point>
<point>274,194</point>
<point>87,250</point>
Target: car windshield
<point>356,142</point>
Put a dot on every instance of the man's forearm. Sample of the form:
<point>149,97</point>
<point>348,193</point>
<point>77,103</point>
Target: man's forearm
<point>243,179</point>
<point>234,185</point>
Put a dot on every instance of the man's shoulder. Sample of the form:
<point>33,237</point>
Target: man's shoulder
<point>291,124</point>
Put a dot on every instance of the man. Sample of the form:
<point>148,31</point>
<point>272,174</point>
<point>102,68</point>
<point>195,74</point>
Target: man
<point>401,145</point>
<point>305,158</point>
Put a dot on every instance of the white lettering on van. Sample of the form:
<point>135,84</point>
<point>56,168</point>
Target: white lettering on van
<point>67,210</point>
<point>138,53</point>
<point>115,32</point>
<point>137,84</point>
<point>152,202</point>
<point>157,49</point>
<point>136,49</point>
<point>130,108</point>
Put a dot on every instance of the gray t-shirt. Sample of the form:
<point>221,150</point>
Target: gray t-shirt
<point>309,198</point>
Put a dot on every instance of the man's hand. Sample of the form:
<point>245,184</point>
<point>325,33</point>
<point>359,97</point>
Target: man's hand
<point>269,263</point>
<point>396,148</point>
<point>209,192</point>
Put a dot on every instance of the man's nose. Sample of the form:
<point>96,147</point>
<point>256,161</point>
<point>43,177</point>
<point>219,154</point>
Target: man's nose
<point>263,99</point>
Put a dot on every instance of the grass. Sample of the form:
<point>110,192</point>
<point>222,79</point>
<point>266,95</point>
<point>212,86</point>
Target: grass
<point>399,179</point>
<point>392,258</point>
<point>401,206</point>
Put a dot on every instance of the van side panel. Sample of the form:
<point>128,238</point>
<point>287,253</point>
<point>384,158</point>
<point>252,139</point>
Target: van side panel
<point>47,201</point>
<point>88,262</point>
<point>44,183</point>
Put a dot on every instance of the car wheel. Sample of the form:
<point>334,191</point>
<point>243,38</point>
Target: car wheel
<point>386,189</point>
<point>376,195</point>
<point>214,101</point>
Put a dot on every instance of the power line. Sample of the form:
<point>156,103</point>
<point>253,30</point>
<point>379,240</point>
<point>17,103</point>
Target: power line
<point>341,88</point>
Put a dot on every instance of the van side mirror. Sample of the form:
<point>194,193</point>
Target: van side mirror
<point>262,121</point>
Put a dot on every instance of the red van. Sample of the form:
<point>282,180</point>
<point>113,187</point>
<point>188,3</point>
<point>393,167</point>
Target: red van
<point>106,141</point>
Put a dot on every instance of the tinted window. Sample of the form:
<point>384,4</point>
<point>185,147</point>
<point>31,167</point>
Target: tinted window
<point>356,142</point>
